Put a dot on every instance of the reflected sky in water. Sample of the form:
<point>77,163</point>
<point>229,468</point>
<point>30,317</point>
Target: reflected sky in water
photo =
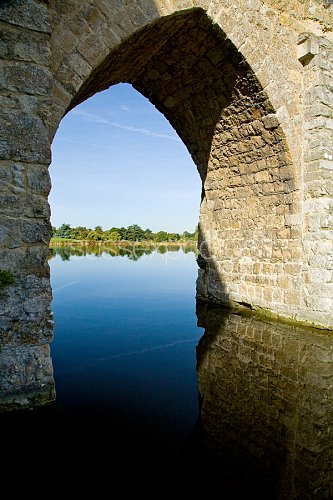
<point>125,340</point>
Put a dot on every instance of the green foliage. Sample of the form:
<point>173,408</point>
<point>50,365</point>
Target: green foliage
<point>161,236</point>
<point>114,235</point>
<point>80,233</point>
<point>96,236</point>
<point>133,233</point>
<point>6,278</point>
<point>64,231</point>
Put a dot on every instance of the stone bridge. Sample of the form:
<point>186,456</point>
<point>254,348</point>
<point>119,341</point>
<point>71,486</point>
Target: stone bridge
<point>247,84</point>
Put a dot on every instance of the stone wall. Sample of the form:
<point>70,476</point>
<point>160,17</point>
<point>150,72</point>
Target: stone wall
<point>267,402</point>
<point>230,78</point>
<point>318,178</point>
<point>26,376</point>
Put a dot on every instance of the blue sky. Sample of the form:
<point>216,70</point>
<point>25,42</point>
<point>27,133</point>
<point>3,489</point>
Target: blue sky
<point>117,161</point>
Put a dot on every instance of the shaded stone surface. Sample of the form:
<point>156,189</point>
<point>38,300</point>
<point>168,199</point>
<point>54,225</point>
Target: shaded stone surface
<point>266,404</point>
<point>26,377</point>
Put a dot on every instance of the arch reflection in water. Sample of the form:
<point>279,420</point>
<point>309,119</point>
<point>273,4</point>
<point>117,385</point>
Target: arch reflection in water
<point>265,388</point>
<point>266,405</point>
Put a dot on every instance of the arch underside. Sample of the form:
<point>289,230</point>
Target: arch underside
<point>193,74</point>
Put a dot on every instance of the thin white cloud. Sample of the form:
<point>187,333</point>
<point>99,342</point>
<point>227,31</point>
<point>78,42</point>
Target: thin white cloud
<point>91,117</point>
<point>114,148</point>
<point>144,131</point>
<point>71,283</point>
<point>101,146</point>
<point>125,108</point>
<point>144,350</point>
<point>99,119</point>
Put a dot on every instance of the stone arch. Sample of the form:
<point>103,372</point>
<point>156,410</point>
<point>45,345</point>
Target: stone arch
<point>217,70</point>
<point>194,75</point>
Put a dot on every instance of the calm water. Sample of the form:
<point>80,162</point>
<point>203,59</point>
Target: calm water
<point>149,402</point>
<point>124,346</point>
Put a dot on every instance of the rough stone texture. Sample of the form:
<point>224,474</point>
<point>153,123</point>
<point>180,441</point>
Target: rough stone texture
<point>318,182</point>
<point>26,376</point>
<point>266,400</point>
<point>253,108</point>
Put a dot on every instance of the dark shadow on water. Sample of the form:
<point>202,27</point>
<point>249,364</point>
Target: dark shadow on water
<point>266,407</point>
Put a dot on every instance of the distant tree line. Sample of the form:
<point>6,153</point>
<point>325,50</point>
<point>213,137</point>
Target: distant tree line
<point>130,233</point>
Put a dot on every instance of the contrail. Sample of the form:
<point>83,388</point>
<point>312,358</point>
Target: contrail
<point>147,349</point>
<point>64,286</point>
<point>130,353</point>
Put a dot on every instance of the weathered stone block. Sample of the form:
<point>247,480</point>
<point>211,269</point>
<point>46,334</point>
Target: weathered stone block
<point>35,231</point>
<point>26,377</point>
<point>270,122</point>
<point>38,178</point>
<point>72,72</point>
<point>24,137</point>
<point>18,44</point>
<point>27,14</point>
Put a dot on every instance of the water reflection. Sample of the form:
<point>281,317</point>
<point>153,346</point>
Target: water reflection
<point>94,298</point>
<point>131,251</point>
<point>266,406</point>
<point>125,371</point>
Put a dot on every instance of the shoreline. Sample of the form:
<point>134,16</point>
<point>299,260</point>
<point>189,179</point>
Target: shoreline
<point>86,243</point>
